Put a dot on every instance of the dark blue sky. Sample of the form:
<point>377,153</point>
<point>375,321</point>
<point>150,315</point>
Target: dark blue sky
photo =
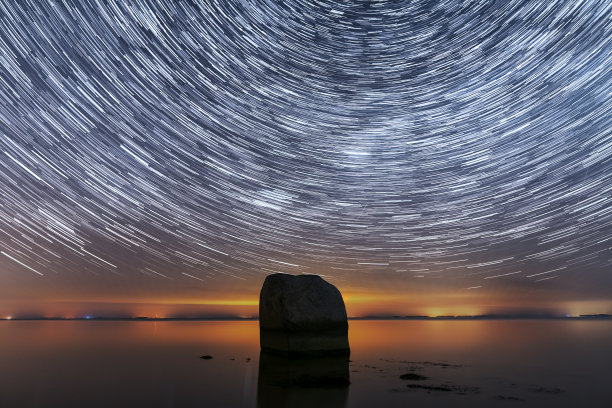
<point>399,145</point>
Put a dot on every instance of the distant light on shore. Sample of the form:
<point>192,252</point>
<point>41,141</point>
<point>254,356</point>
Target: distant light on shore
<point>9,317</point>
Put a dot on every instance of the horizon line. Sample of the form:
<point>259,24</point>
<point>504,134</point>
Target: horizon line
<point>377,317</point>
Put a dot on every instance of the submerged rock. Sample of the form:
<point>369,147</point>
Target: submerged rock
<point>302,315</point>
<point>413,377</point>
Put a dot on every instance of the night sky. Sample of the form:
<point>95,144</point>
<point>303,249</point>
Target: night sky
<point>427,157</point>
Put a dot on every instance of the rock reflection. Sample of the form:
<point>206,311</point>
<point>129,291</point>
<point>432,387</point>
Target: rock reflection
<point>296,382</point>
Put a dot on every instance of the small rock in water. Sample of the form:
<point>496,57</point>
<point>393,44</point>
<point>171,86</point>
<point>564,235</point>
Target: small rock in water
<point>547,390</point>
<point>457,389</point>
<point>206,357</point>
<point>413,377</point>
<point>430,387</point>
<point>507,398</point>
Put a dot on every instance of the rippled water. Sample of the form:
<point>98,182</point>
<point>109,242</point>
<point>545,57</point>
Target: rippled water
<point>156,364</point>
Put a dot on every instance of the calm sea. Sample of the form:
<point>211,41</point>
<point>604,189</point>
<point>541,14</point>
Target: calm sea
<point>490,363</point>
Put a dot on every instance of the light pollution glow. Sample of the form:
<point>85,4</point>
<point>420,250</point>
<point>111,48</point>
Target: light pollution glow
<point>358,304</point>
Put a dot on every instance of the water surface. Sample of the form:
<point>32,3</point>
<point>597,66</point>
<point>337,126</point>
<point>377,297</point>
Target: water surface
<point>490,363</point>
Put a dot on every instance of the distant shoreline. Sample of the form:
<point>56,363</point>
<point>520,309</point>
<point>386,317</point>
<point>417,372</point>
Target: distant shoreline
<point>387,318</point>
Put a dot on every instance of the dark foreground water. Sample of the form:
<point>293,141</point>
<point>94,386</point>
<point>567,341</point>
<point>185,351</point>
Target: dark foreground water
<point>504,363</point>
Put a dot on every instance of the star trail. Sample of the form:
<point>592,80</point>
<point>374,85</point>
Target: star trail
<point>461,141</point>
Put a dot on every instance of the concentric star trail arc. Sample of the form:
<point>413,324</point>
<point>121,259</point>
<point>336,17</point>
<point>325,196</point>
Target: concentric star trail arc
<point>206,140</point>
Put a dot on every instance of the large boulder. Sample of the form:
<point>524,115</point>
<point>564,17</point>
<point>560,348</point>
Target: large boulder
<point>302,315</point>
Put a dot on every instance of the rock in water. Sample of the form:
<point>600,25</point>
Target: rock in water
<point>302,382</point>
<point>302,315</point>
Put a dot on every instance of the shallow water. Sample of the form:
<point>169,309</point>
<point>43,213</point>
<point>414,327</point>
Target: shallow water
<point>488,363</point>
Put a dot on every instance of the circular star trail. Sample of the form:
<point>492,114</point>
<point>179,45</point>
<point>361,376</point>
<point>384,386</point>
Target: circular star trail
<point>228,139</point>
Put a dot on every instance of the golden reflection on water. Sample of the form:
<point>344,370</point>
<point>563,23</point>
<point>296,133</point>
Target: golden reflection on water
<point>443,334</point>
<point>364,335</point>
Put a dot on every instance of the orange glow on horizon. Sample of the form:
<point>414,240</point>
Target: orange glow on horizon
<point>359,303</point>
<point>221,302</point>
